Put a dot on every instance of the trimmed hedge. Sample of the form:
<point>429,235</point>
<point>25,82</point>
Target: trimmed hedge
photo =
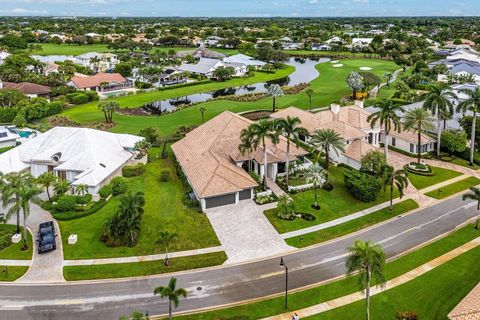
<point>362,186</point>
<point>7,114</point>
<point>65,203</point>
<point>133,171</point>
<point>119,185</point>
<point>105,191</point>
<point>72,215</point>
<point>420,173</point>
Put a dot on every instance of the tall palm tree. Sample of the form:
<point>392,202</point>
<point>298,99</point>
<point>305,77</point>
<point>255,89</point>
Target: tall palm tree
<point>10,197</point>
<point>81,189</point>
<point>317,176</point>
<point>389,77</point>
<point>202,111</point>
<point>369,261</point>
<point>108,108</point>
<point>274,91</point>
<point>419,121</point>
<point>171,293</point>
<point>290,128</point>
<point>474,195</point>
<point>310,92</point>
<point>328,140</point>
<point>246,146</point>
<point>394,179</point>
<point>438,100</point>
<point>130,210</point>
<point>60,187</point>
<point>388,118</point>
<point>165,238</point>
<point>47,179</point>
<point>259,132</point>
<point>28,192</point>
<point>472,104</point>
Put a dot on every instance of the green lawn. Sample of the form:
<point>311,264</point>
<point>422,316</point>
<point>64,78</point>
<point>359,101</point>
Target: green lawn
<point>352,226</point>
<point>163,211</point>
<point>74,49</point>
<point>453,188</point>
<point>5,149</point>
<point>329,87</point>
<point>121,270</point>
<point>441,175</point>
<point>349,285</point>
<point>11,273</point>
<point>14,251</point>
<point>432,296</point>
<point>334,204</point>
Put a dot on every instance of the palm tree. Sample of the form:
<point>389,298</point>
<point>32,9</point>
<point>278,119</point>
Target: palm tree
<point>289,127</point>
<point>108,108</point>
<point>47,179</point>
<point>246,146</point>
<point>419,121</point>
<point>438,100</point>
<point>387,117</point>
<point>259,132</point>
<point>389,77</point>
<point>202,111</point>
<point>354,83</point>
<point>10,196</point>
<point>81,189</point>
<point>472,104</point>
<point>474,195</point>
<point>28,192</point>
<point>129,211</point>
<point>369,261</point>
<point>328,140</point>
<point>274,91</point>
<point>310,92</point>
<point>60,187</point>
<point>165,238</point>
<point>317,176</point>
<point>394,179</point>
<point>172,294</point>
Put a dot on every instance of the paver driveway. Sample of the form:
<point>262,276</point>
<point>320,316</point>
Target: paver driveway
<point>245,232</point>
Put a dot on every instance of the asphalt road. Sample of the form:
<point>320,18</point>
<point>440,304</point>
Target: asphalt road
<point>219,286</point>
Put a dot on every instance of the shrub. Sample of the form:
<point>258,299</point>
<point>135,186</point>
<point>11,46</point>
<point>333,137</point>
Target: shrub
<point>408,315</point>
<point>164,176</point>
<point>373,162</point>
<point>285,208</point>
<point>454,141</point>
<point>362,186</point>
<point>308,216</point>
<point>119,185</point>
<point>105,191</point>
<point>85,199</point>
<point>72,215</point>
<point>65,203</point>
<point>7,114</point>
<point>133,171</point>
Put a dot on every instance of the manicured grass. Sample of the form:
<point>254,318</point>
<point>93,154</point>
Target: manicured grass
<point>329,87</point>
<point>464,163</point>
<point>11,273</point>
<point>5,149</point>
<point>14,251</point>
<point>334,204</point>
<point>349,285</point>
<point>441,175</point>
<point>164,211</point>
<point>432,296</point>
<point>353,225</point>
<point>121,270</point>
<point>453,188</point>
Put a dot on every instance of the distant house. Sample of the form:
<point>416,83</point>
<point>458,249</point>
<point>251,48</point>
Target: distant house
<point>206,67</point>
<point>78,155</point>
<point>360,43</point>
<point>8,138</point>
<point>244,59</point>
<point>212,41</point>
<point>292,46</point>
<point>201,52</point>
<point>31,90</point>
<point>321,47</point>
<point>98,62</point>
<point>101,82</point>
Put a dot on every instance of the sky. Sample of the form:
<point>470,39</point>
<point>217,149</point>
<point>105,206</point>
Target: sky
<point>240,8</point>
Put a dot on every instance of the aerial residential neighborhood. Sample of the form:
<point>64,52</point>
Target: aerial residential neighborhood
<point>239,160</point>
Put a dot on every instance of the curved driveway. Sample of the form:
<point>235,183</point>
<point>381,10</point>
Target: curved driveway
<point>228,284</point>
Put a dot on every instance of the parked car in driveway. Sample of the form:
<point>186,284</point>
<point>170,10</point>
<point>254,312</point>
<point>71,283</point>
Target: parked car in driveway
<point>46,237</point>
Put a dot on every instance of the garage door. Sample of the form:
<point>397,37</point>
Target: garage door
<point>220,201</point>
<point>245,194</point>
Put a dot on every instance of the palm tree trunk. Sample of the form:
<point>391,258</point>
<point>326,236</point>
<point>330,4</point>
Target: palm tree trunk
<point>169,309</point>
<point>327,158</point>
<point>367,296</point>
<point>25,214</point>
<point>472,137</point>
<point>48,194</point>
<point>385,145</point>
<point>316,198</point>
<point>419,145</point>
<point>391,196</point>
<point>264,165</point>
<point>310,99</point>
<point>439,133</point>
<point>288,158</point>
<point>273,107</point>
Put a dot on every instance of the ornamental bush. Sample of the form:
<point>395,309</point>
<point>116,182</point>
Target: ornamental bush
<point>85,199</point>
<point>105,191</point>
<point>66,203</point>
<point>119,185</point>
<point>362,186</point>
<point>133,171</point>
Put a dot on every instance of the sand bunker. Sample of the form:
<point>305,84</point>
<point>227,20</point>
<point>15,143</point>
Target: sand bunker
<point>335,61</point>
<point>339,65</point>
<point>365,68</point>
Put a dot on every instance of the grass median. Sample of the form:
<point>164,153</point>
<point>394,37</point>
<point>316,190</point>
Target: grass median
<point>453,188</point>
<point>14,250</point>
<point>11,273</point>
<point>346,286</point>
<point>121,270</point>
<point>352,226</point>
<point>441,175</point>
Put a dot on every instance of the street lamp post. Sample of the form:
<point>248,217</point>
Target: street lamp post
<point>283,265</point>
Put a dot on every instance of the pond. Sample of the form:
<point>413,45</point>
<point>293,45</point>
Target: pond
<point>305,71</point>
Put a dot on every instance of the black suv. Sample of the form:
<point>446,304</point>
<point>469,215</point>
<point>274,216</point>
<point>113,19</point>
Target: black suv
<point>46,237</point>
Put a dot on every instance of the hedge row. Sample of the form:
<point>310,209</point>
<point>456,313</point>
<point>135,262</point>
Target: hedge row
<point>72,215</point>
<point>420,173</point>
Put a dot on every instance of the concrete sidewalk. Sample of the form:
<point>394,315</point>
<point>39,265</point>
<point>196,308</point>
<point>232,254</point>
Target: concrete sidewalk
<point>404,278</point>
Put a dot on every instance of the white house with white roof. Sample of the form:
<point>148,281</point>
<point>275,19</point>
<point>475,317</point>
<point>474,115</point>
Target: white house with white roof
<point>8,138</point>
<point>79,155</point>
<point>244,59</point>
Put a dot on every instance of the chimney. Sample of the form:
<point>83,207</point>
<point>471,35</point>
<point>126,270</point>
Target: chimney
<point>359,103</point>
<point>335,108</point>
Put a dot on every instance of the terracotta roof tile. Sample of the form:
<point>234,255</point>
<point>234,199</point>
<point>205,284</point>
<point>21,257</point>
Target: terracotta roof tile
<point>468,308</point>
<point>96,80</point>
<point>27,87</point>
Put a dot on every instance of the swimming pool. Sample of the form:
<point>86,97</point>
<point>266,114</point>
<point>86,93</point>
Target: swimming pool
<point>24,134</point>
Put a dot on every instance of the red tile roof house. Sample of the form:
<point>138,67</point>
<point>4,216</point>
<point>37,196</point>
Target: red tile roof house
<point>31,90</point>
<point>102,83</point>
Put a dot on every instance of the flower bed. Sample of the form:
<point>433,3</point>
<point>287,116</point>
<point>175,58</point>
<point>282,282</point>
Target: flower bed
<point>419,168</point>
<point>265,197</point>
